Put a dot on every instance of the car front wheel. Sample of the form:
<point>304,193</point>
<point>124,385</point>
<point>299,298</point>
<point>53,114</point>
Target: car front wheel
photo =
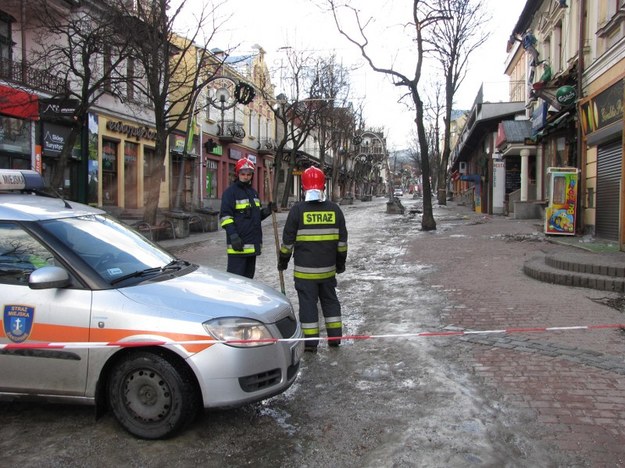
<point>150,397</point>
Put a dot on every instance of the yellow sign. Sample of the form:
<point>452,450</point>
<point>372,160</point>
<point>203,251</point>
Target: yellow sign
<point>319,217</point>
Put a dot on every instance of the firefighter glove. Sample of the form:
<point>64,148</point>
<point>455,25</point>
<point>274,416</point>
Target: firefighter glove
<point>340,267</point>
<point>283,261</point>
<point>236,242</point>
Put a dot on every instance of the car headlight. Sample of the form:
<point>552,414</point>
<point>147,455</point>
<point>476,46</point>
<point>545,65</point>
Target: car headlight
<point>238,331</point>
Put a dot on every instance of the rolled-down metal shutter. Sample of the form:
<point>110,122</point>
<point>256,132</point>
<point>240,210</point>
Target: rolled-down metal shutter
<point>608,185</point>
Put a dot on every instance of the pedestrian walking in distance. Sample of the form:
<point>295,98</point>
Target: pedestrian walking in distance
<point>316,235</point>
<point>240,215</point>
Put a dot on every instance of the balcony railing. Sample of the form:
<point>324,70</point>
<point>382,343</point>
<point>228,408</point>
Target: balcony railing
<point>266,146</point>
<point>26,75</point>
<point>370,149</point>
<point>231,131</point>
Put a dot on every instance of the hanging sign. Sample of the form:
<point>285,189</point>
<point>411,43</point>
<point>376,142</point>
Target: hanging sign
<point>566,95</point>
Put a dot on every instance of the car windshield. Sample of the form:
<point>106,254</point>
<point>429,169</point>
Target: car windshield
<point>112,249</point>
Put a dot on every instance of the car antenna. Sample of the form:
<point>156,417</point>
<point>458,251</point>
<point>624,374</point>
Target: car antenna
<point>48,191</point>
<point>55,194</point>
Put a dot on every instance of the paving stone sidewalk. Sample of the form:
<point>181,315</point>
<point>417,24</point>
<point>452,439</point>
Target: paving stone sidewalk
<point>571,384</point>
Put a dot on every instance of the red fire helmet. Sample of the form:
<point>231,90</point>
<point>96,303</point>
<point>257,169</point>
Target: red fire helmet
<point>313,178</point>
<point>243,163</point>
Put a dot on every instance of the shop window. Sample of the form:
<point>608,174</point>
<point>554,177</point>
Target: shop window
<point>109,172</point>
<point>131,156</point>
<point>211,179</point>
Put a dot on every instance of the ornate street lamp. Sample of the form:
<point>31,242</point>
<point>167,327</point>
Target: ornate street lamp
<point>222,96</point>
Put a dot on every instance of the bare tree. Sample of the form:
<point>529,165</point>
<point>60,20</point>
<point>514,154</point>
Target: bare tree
<point>434,111</point>
<point>424,16</point>
<point>413,153</point>
<point>336,122</point>
<point>460,32</point>
<point>173,72</point>
<point>334,88</point>
<point>71,45</point>
<point>298,113</point>
<point>344,124</point>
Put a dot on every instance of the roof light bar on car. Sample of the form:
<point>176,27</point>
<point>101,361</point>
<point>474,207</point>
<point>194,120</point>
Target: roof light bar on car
<point>11,179</point>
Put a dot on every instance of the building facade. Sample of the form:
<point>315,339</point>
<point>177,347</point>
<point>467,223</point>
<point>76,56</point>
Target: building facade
<point>600,110</point>
<point>570,55</point>
<point>233,116</point>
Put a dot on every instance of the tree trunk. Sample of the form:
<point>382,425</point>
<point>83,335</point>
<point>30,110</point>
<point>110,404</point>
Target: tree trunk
<point>427,219</point>
<point>442,171</point>
<point>156,169</point>
<point>276,169</point>
<point>288,181</point>
<point>336,188</point>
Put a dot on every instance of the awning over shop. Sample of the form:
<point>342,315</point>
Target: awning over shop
<point>475,178</point>
<point>513,136</point>
<point>18,103</point>
<point>557,123</point>
<point>513,131</point>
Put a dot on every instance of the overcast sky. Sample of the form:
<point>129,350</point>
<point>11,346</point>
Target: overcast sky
<point>274,24</point>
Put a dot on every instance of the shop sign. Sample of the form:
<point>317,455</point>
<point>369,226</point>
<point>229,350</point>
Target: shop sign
<point>603,109</point>
<point>17,103</point>
<point>235,154</point>
<point>58,109</point>
<point>54,138</point>
<point>131,131</point>
<point>179,142</point>
<point>566,95</point>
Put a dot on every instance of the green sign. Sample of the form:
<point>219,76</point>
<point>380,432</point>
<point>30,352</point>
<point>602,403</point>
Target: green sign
<point>566,95</point>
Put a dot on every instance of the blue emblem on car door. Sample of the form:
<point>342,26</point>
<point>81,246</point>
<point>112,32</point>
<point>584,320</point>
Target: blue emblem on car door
<point>18,322</point>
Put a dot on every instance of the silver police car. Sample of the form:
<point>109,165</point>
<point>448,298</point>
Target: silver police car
<point>94,313</point>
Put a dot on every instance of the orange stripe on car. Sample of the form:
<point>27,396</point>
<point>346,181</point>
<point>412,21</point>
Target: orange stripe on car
<point>57,333</point>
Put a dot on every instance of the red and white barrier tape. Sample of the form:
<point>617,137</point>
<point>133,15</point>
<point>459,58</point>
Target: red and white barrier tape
<point>135,344</point>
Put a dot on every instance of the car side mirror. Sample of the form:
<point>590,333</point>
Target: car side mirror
<point>48,277</point>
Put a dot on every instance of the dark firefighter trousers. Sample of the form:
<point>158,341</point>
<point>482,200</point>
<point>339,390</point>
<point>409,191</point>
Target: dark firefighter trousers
<point>309,292</point>
<point>243,265</point>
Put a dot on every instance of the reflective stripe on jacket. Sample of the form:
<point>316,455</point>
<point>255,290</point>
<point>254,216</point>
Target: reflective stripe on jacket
<point>316,235</point>
<point>241,214</point>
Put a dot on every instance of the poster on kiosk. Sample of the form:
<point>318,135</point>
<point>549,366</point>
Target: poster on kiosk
<point>562,207</point>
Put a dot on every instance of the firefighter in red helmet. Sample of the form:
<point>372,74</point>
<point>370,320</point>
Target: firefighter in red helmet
<point>241,215</point>
<point>316,235</point>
